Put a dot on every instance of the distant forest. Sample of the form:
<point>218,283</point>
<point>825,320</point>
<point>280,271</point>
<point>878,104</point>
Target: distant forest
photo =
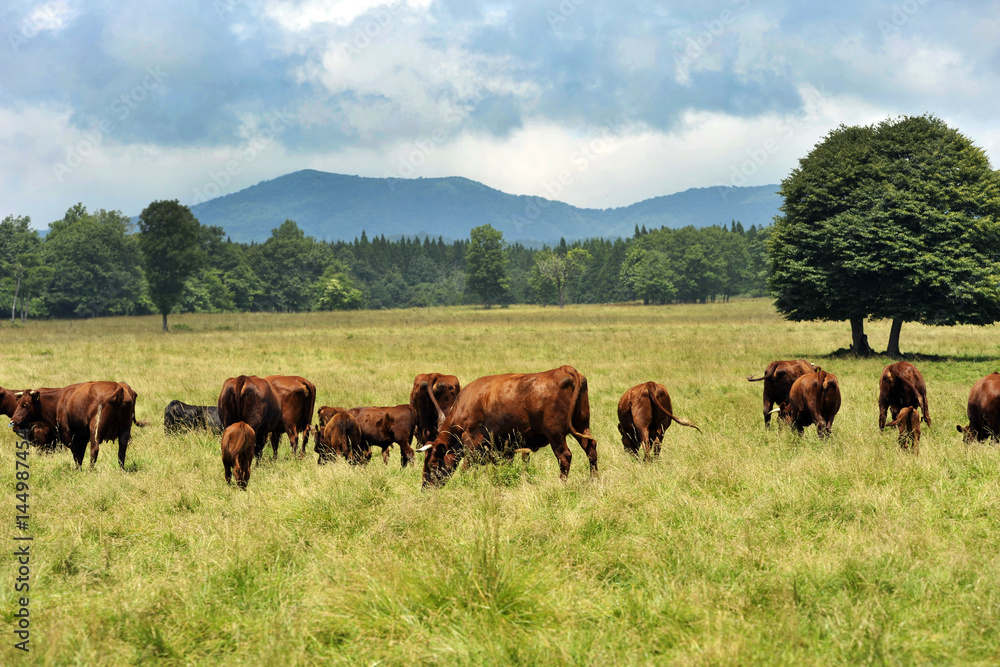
<point>88,265</point>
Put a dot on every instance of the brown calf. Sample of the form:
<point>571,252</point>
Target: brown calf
<point>342,437</point>
<point>908,422</point>
<point>238,441</point>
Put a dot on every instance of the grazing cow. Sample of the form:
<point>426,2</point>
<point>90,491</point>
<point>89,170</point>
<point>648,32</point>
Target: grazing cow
<point>432,396</point>
<point>238,442</point>
<point>383,427</point>
<point>908,422</point>
<point>644,414</point>
<point>778,377</point>
<point>342,437</point>
<point>93,412</point>
<point>297,397</point>
<point>39,433</point>
<point>813,399</point>
<point>538,408</point>
<point>252,400</point>
<point>901,385</point>
<point>983,410</point>
<point>178,416</point>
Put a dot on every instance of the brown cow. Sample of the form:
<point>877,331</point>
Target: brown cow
<point>813,399</point>
<point>297,397</point>
<point>382,427</point>
<point>908,422</point>
<point>41,434</point>
<point>251,399</point>
<point>342,437</point>
<point>432,396</point>
<point>901,385</point>
<point>983,410</point>
<point>93,412</point>
<point>238,442</point>
<point>778,377</point>
<point>539,408</point>
<point>644,414</point>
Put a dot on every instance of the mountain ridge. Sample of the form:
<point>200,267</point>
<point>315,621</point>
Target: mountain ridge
<point>330,206</point>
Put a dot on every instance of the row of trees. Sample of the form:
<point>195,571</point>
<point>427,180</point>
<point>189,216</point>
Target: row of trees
<point>98,263</point>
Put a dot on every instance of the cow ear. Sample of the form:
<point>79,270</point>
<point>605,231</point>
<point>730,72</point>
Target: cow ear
<point>960,429</point>
<point>34,394</point>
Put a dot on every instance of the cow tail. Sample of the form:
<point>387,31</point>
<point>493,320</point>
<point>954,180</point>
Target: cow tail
<point>430,392</point>
<point>240,383</point>
<point>573,404</point>
<point>651,390</point>
<point>311,390</point>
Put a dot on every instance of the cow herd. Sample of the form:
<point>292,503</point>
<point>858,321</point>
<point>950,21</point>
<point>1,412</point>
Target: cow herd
<point>490,417</point>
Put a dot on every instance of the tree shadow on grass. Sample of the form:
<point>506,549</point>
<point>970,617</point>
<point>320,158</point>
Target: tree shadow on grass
<point>846,353</point>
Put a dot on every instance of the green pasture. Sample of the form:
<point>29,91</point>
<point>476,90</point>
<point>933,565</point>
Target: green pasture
<point>738,546</point>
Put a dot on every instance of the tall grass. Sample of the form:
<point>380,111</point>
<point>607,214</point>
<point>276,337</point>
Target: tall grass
<point>737,546</point>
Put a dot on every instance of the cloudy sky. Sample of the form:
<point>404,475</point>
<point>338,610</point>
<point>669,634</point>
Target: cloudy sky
<point>592,102</point>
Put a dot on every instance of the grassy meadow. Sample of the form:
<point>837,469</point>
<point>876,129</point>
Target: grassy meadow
<point>737,546</point>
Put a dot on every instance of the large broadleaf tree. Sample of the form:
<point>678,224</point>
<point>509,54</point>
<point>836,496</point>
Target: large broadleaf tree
<point>899,220</point>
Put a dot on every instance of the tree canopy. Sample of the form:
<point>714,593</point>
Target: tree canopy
<point>897,221</point>
<point>170,243</point>
<point>486,265</point>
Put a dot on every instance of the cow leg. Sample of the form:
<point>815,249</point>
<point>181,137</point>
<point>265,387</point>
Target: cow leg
<point>95,447</point>
<point>563,455</point>
<point>305,439</point>
<point>883,406</point>
<point>275,437</point>
<point>78,446</point>
<point>768,406</point>
<point>589,446</point>
<point>227,467</point>
<point>406,453</point>
<point>293,440</point>
<point>260,441</point>
<point>123,440</point>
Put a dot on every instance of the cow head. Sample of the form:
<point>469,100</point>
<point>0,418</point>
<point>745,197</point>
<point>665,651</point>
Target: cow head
<point>441,459</point>
<point>26,410</point>
<point>969,434</point>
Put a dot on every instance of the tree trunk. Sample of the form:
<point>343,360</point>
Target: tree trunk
<point>893,349</point>
<point>562,296</point>
<point>13,306</point>
<point>859,341</point>
<point>165,322</point>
